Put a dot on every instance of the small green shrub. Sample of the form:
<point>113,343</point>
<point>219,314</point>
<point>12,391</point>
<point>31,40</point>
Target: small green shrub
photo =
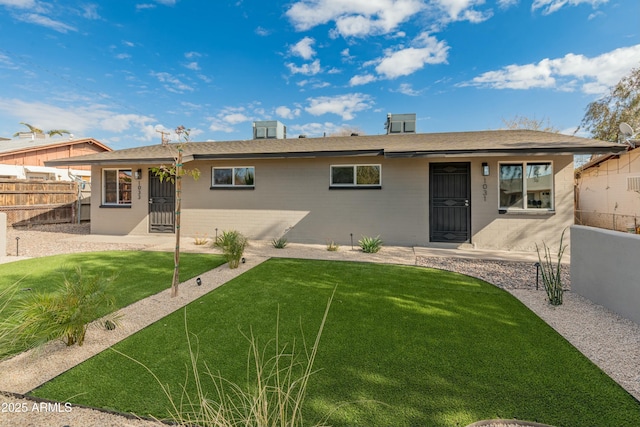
<point>370,245</point>
<point>332,246</point>
<point>232,243</point>
<point>63,314</point>
<point>551,275</point>
<point>279,243</point>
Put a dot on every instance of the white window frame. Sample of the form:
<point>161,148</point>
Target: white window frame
<point>104,187</point>
<point>355,176</point>
<point>233,177</point>
<point>525,201</point>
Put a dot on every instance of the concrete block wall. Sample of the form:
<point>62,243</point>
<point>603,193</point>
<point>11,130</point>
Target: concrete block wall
<point>604,269</point>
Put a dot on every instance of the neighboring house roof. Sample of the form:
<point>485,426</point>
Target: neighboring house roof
<point>467,144</point>
<point>26,144</point>
<point>596,161</point>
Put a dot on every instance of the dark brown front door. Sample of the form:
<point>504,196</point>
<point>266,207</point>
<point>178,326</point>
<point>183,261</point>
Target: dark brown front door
<point>161,205</point>
<point>450,202</point>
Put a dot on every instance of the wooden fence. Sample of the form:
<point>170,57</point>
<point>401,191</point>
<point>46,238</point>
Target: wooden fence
<point>38,202</point>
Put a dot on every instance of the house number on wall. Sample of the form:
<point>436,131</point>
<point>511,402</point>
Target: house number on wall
<point>139,190</point>
<point>484,189</point>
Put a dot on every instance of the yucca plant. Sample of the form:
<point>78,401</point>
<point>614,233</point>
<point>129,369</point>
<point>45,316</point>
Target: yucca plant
<point>232,243</point>
<point>551,274</point>
<point>63,314</point>
<point>279,243</point>
<point>370,245</point>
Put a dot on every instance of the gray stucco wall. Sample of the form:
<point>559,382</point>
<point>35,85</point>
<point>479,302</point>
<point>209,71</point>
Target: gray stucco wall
<point>604,269</point>
<point>292,198</point>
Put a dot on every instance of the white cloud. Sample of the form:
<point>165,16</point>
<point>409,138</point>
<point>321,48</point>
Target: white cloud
<point>192,66</point>
<point>22,4</point>
<point>427,50</point>
<point>143,6</point>
<point>505,4</point>
<point>306,69</point>
<point>263,32</point>
<point>343,105</point>
<point>34,18</point>
<point>406,89</point>
<point>171,83</point>
<point>550,6</point>
<point>303,48</point>
<point>462,10</point>
<point>190,55</point>
<point>90,11</point>
<point>235,118</point>
<point>79,120</point>
<point>362,79</point>
<point>287,113</point>
<point>354,18</point>
<point>123,56</point>
<point>595,75</point>
<point>167,2</point>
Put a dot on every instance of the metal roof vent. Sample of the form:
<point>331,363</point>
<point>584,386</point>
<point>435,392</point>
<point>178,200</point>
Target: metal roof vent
<point>271,129</point>
<point>401,123</point>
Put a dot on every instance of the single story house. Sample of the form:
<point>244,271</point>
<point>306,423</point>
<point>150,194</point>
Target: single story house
<point>500,189</point>
<point>608,191</point>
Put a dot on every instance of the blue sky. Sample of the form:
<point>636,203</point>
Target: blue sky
<point>120,70</point>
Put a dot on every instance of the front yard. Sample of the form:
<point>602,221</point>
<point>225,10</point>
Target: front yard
<point>401,346</point>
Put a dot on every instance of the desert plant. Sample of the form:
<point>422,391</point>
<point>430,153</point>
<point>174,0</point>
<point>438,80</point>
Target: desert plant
<point>279,243</point>
<point>370,245</point>
<point>232,243</point>
<point>63,314</point>
<point>200,240</point>
<point>332,246</point>
<point>551,274</point>
<point>274,394</point>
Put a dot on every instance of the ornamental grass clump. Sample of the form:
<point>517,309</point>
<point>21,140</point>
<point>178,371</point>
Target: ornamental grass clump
<point>232,243</point>
<point>551,274</point>
<point>370,245</point>
<point>274,394</point>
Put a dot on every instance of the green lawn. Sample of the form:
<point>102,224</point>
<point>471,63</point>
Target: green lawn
<point>402,346</point>
<point>139,274</point>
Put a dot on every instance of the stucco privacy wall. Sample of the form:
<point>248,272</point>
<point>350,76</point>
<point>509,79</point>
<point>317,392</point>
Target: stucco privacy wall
<point>604,269</point>
<point>292,198</point>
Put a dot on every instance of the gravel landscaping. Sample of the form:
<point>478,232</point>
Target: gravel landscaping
<point>611,342</point>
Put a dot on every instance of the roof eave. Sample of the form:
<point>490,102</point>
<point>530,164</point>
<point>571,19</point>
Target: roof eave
<point>290,155</point>
<point>507,152</point>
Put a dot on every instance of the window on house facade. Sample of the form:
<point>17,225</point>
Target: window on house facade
<point>116,187</point>
<point>233,177</point>
<point>526,185</point>
<point>356,176</point>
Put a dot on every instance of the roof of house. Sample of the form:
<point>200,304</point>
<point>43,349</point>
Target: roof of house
<point>461,144</point>
<point>596,161</point>
<point>27,144</point>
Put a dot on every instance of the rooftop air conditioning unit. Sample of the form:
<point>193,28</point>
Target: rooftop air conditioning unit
<point>271,129</point>
<point>401,123</point>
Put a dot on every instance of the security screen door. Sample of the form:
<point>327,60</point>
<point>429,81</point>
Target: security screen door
<point>450,202</point>
<point>161,205</point>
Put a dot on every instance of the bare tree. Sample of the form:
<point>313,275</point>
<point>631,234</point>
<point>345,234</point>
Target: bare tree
<point>622,104</point>
<point>522,122</point>
<point>174,173</point>
<point>348,131</point>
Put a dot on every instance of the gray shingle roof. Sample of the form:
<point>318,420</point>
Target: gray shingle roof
<point>481,143</point>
